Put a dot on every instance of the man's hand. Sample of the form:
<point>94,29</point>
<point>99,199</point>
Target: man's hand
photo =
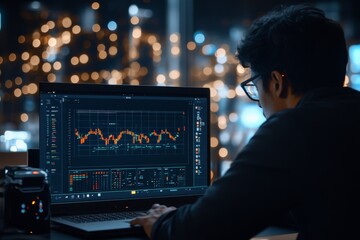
<point>147,221</point>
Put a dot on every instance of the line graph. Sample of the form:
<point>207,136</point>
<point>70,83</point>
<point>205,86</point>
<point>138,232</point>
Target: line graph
<point>116,132</point>
<point>136,138</point>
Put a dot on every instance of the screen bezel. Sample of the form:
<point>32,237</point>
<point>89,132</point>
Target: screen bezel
<point>138,90</point>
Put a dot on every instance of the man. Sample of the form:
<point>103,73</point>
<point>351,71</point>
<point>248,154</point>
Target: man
<point>303,159</point>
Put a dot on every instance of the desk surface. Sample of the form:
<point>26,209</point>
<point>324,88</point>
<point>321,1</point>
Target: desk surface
<point>271,233</point>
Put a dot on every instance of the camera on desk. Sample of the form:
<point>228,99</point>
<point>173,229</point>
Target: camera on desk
<point>24,200</point>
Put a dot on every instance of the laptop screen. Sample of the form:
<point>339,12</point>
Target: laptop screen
<point>118,142</point>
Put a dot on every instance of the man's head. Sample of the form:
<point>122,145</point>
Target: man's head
<point>296,47</point>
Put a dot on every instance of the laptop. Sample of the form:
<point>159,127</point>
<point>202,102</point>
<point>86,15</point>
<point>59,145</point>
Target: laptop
<point>114,150</point>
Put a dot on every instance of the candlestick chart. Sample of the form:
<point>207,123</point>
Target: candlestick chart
<point>130,132</point>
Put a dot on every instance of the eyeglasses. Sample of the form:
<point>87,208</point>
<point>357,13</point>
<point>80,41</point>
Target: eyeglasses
<point>250,89</point>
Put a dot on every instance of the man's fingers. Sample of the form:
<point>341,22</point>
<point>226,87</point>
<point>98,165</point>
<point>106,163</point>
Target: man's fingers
<point>137,221</point>
<point>172,208</point>
<point>155,205</point>
<point>147,221</point>
<point>134,222</point>
<point>155,211</point>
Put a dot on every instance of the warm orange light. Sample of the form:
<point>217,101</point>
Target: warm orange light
<point>74,60</point>
<point>52,42</point>
<point>44,28</point>
<point>51,24</point>
<point>66,22</point>
<point>8,83</point>
<point>18,80</point>
<point>175,50</point>
<point>95,5</point>
<point>34,60</point>
<point>161,78</point>
<point>74,79</point>
<point>66,37</point>
<point>85,76</point>
<point>95,75</point>
<point>76,29</point>
<point>134,20</point>
<point>113,50</point>
<point>57,65</point>
<point>26,67</point>
<point>223,152</point>
<point>25,56</point>
<point>174,37</point>
<point>96,27</point>
<point>191,45</point>
<point>156,46</point>
<point>25,89</point>
<point>174,74</point>
<point>46,67</point>
<point>113,37</point>
<point>33,88</point>
<point>151,39</point>
<point>24,117</point>
<point>207,71</point>
<point>100,47</point>
<point>17,92</point>
<point>51,77</point>
<point>214,142</point>
<point>136,33</point>
<point>12,57</point>
<point>21,39</point>
<point>102,55</point>
<point>231,93</point>
<point>214,107</point>
<point>84,58</point>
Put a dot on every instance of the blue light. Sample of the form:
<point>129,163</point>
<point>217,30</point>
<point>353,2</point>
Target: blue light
<point>355,81</point>
<point>199,37</point>
<point>35,5</point>
<point>29,105</point>
<point>221,59</point>
<point>112,25</point>
<point>133,10</point>
<point>223,91</point>
<point>209,49</point>
<point>251,116</point>
<point>354,54</point>
<point>224,137</point>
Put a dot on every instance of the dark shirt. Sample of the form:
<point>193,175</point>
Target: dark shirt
<point>303,160</point>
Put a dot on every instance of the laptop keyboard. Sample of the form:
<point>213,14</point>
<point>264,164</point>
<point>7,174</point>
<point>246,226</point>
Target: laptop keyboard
<point>103,217</point>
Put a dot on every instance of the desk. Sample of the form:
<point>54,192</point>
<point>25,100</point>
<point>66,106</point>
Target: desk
<point>271,233</point>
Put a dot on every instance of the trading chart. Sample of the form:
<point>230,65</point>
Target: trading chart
<point>114,132</point>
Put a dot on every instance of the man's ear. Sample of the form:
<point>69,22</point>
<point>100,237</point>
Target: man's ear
<point>278,84</point>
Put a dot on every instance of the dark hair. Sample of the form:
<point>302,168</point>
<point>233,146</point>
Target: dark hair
<point>300,42</point>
